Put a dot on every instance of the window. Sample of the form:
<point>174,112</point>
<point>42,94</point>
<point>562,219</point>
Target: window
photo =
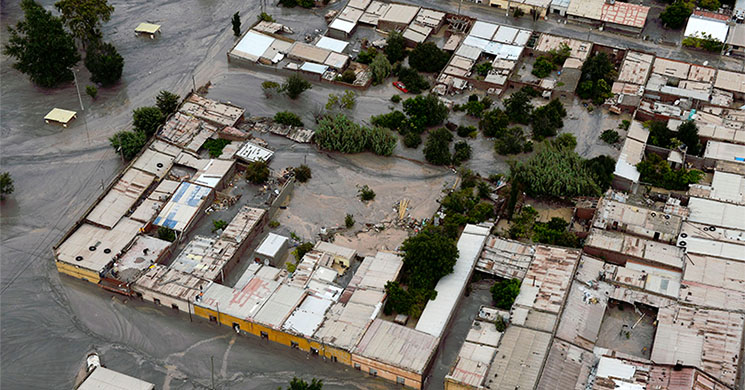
<point>294,344</point>
<point>334,359</point>
<point>357,366</point>
<point>156,301</point>
<point>236,327</point>
<point>373,372</point>
<point>264,335</point>
<point>213,319</point>
<point>314,351</point>
<point>400,380</point>
<point>174,306</point>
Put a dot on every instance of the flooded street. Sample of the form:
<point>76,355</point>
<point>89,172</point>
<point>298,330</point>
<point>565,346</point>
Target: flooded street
<point>50,322</point>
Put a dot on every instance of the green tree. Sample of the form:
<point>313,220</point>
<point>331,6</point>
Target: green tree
<point>341,134</point>
<point>504,293</point>
<point>147,119</point>
<point>598,74</point>
<point>288,118</point>
<point>676,14</point>
<point>656,171</point>
<point>84,17</point>
<point>166,234</point>
<point>427,57</point>
<point>380,68</point>
<point>349,220</point>
<point>128,143</point>
<point>299,384</point>
<point>398,299</point>
<point>494,123</point>
<point>711,5</point>
<point>236,22</point>
<point>295,85</point>
<point>555,232</point>
<point>302,249</point>
<point>413,81</point>
<point>43,49</point>
<point>659,134</point>
<point>542,67</point>
<point>218,224</point>
<point>257,172</point>
<point>461,152</point>
<point>6,185</point>
<point>522,224</point>
<point>262,17</point>
<point>367,56</point>
<point>565,141</point>
<point>555,172</point>
<point>348,76</point>
<point>688,134</point>
<point>215,146</point>
<point>270,88</point>
<point>381,141</point>
<point>425,111</point>
<point>483,68</point>
<point>91,90</point>
<point>167,102</point>
<point>610,136</point>
<point>395,48</point>
<point>512,141</point>
<point>394,120</point>
<point>437,147</point>
<point>601,168</point>
<point>104,63</point>
<point>546,120</point>
<point>518,107</point>
<point>302,173</point>
<point>428,256</point>
<point>412,140</point>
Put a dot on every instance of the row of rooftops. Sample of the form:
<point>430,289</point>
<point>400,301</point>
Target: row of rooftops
<point>614,13</point>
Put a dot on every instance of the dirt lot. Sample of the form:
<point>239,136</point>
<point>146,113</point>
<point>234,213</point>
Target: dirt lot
<point>612,331</point>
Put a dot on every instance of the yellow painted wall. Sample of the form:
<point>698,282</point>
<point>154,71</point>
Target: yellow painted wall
<point>452,385</point>
<point>503,4</point>
<point>277,336</point>
<point>77,272</point>
<point>388,372</point>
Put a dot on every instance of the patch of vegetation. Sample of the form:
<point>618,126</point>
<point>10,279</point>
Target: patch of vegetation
<point>257,172</point>
<point>274,224</point>
<point>293,3</point>
<point>302,173</point>
<point>395,47</point>
<point>424,112</point>
<point>494,123</point>
<point>704,41</point>
<point>483,68</point>
<point>660,135</point>
<point>461,152</point>
<point>476,107</point>
<point>166,234</point>
<point>546,120</point>
<point>218,224</point>
<point>412,140</point>
<point>624,125</point>
<point>348,76</point>
<point>302,249</point>
<point>91,91</point>
<point>466,131</point>
<point>656,171</point>
<point>339,133</point>
<point>215,146</point>
<point>346,101</point>
<point>367,56</point>
<point>427,57</point>
<point>554,232</point>
<point>395,98</point>
<point>236,23</point>
<point>294,86</point>
<point>504,293</point>
<point>512,141</point>
<point>366,193</point>
<point>147,120</point>
<point>553,60</point>
<point>380,68</point>
<point>104,63</point>
<point>167,102</point>
<point>601,168</point>
<point>518,107</point>
<point>265,17</point>
<point>6,185</point>
<point>270,88</point>
<point>610,136</point>
<point>349,221</point>
<point>288,118</point>
<point>676,14</point>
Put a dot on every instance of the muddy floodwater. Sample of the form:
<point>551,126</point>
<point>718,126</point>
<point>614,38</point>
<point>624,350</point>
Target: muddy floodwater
<point>49,323</point>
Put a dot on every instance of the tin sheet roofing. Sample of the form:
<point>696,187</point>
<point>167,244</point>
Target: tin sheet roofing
<point>397,345</point>
<point>483,30</point>
<point>212,111</point>
<point>60,115</point>
<point>306,319</point>
<point>147,28</point>
<point>104,379</point>
<point>92,247</point>
<point>143,252</point>
<point>551,274</point>
<point>154,162</point>
<point>345,324</point>
<point>519,359</point>
<point>698,25</point>
<point>332,44</point>
<point>183,206</point>
<point>244,303</point>
<point>567,367</point>
<point>280,305</point>
<point>171,283</point>
<point>120,199</point>
<point>253,45</point>
<point>713,213</point>
<point>625,14</point>
<point>505,258</point>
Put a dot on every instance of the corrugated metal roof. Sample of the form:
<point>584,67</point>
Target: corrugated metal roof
<point>519,359</point>
<point>280,305</point>
<point>713,213</point>
<point>183,206</point>
<point>271,245</point>
<point>253,45</point>
<point>397,345</point>
<point>332,44</point>
<point>122,196</point>
<point>567,367</point>
<point>306,319</point>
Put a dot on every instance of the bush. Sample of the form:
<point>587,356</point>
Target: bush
<point>427,57</point>
<point>294,86</point>
<point>348,76</point>
<point>546,120</point>
<point>365,193</point>
<point>395,98</point>
<point>624,125</point>
<point>302,173</point>
<point>522,224</point>
<point>274,224</point>
<point>302,249</point>
<point>288,118</point>
<point>555,232</point>
<point>437,148</point>
<point>466,131</point>
<point>265,17</point>
<point>412,140</point>
<point>218,224</point>
<point>676,14</point>
<point>414,81</point>
<point>565,141</point>
<point>147,120</point>
<point>711,5</point>
<point>6,185</point>
<point>461,152</point>
<point>349,221</point>
<point>500,324</point>
<point>597,76</point>
<point>347,100</point>
<point>339,133</point>
<point>395,47</point>
<point>166,234</point>
<point>483,68</point>
<point>167,102</point>
<point>257,172</point>
<point>394,120</point>
<point>494,123</point>
<point>688,135</point>
<point>215,146</point>
<point>91,90</point>
<point>476,107</point>
<point>128,143</point>
<point>704,41</point>
<point>610,136</point>
<point>104,63</point>
<point>504,293</point>
<point>236,22</point>
<point>270,88</point>
<point>542,67</point>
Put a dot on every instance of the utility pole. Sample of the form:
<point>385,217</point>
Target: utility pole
<point>212,371</point>
<point>80,99</point>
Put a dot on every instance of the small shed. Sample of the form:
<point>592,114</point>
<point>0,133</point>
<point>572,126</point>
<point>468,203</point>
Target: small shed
<point>148,29</point>
<point>272,250</point>
<point>60,116</point>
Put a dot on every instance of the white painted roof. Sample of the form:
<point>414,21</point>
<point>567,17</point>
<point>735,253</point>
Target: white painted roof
<point>698,25</point>
<point>104,379</point>
<point>342,25</point>
<point>251,152</point>
<point>271,245</point>
<point>314,68</point>
<point>253,45</point>
<point>332,44</point>
<point>483,30</point>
